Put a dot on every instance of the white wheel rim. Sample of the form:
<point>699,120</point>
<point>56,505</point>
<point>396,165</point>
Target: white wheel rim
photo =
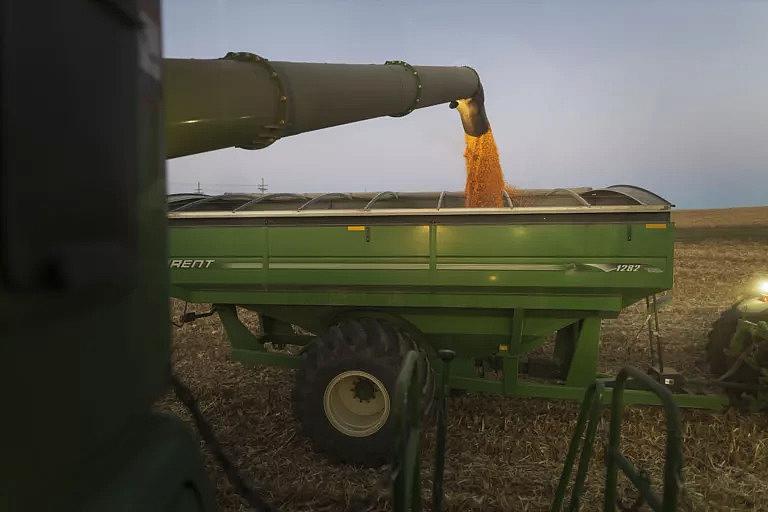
<point>356,403</point>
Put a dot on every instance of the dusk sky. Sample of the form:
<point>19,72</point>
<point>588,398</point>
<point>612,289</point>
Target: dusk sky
<point>670,96</point>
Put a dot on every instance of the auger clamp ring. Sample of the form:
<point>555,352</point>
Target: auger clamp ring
<point>417,98</point>
<point>275,130</point>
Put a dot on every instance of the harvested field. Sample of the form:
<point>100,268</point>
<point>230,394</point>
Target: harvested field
<point>506,453</point>
<point>722,217</point>
<point>726,223</point>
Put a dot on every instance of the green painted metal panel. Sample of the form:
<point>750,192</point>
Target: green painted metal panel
<point>218,242</point>
<point>560,240</point>
<point>584,367</point>
<point>451,298</point>
<point>471,321</point>
<point>593,261</point>
<point>349,241</point>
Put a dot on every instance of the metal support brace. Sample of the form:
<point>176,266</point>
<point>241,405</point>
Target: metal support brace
<point>446,356</point>
<point>589,416</point>
<point>673,454</point>
<point>248,347</point>
<point>511,359</point>
<point>586,426</point>
<point>583,369</point>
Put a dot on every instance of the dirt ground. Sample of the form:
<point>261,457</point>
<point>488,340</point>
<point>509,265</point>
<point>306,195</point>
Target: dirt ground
<point>506,453</point>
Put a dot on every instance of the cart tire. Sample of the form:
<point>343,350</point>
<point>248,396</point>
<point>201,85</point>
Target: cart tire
<point>345,390</point>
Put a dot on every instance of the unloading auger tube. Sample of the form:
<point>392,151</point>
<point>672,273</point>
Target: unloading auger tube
<point>247,101</point>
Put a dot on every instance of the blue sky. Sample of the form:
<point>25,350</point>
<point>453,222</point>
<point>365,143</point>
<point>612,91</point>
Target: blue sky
<point>671,96</point>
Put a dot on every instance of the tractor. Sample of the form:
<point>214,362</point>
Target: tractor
<point>737,346</point>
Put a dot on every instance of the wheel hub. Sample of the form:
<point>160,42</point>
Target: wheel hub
<point>356,403</point>
<point>364,390</point>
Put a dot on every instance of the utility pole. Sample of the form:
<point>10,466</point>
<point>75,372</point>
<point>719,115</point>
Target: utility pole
<point>199,189</point>
<point>262,186</point>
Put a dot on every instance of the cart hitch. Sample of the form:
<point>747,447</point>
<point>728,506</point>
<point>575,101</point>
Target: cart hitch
<point>191,316</point>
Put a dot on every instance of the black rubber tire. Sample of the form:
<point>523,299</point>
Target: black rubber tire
<point>366,344</point>
<point>718,340</point>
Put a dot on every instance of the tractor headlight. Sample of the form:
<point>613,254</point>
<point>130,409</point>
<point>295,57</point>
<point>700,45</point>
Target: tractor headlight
<point>762,287</point>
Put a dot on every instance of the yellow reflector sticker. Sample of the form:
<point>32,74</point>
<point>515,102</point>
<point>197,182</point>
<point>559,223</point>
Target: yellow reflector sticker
<point>355,228</point>
<point>503,348</point>
<point>655,226</point>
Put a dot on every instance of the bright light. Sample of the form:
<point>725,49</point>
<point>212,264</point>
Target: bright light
<point>762,287</point>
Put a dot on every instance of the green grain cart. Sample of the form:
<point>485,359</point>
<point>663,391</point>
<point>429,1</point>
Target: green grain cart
<point>346,283</point>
